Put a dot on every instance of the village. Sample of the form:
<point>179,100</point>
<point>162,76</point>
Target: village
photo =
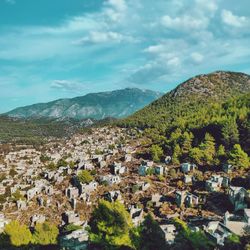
<point>38,185</point>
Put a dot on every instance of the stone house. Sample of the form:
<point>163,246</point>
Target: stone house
<point>88,188</point>
<point>188,179</point>
<point>168,159</point>
<point>185,198</point>
<point>143,186</point>
<point>128,157</point>
<point>157,199</point>
<point>237,223</point>
<point>217,232</point>
<point>187,167</point>
<point>3,222</point>
<point>70,217</point>
<point>21,205</point>
<point>113,196</point>
<point>118,169</point>
<point>227,168</point>
<point>142,171</point>
<point>160,170</point>
<point>169,231</point>
<point>136,215</point>
<point>214,183</point>
<point>238,197</point>
<point>72,192</point>
<point>111,179</point>
<point>37,218</point>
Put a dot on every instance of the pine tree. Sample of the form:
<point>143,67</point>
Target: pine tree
<point>186,142</point>
<point>238,157</point>
<point>110,225</point>
<point>151,236</point>
<point>230,132</point>
<point>176,154</point>
<point>156,153</point>
<point>208,149</point>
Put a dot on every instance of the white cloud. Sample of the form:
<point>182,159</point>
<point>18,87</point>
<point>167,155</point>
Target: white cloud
<point>174,62</point>
<point>184,23</point>
<point>67,85</point>
<point>104,37</point>
<point>206,5</point>
<point>197,57</point>
<point>119,5</point>
<point>235,21</point>
<point>155,49</point>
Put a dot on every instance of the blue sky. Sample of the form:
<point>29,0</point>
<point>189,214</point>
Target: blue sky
<point>65,48</point>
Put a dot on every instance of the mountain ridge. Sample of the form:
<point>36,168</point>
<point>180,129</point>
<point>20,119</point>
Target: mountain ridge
<point>117,104</point>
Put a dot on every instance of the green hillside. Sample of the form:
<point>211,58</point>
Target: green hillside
<point>217,103</point>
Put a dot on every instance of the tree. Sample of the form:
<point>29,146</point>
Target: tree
<point>232,242</point>
<point>19,235</point>
<point>110,225</point>
<point>208,149</point>
<point>45,234</point>
<point>156,153</point>
<point>186,142</point>
<point>196,155</point>
<point>176,154</point>
<point>188,240</point>
<point>175,137</point>
<point>85,177</point>
<point>238,157</point>
<point>151,235</point>
<point>221,153</point>
<point>230,132</point>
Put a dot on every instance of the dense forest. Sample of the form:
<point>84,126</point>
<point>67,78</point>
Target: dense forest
<point>211,108</point>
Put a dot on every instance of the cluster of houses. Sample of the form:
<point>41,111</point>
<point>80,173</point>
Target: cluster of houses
<point>49,177</point>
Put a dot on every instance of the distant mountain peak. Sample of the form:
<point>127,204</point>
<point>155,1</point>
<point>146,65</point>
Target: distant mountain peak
<point>116,104</point>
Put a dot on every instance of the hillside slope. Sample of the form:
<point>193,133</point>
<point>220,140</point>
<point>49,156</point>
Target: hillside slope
<point>116,104</point>
<point>189,100</point>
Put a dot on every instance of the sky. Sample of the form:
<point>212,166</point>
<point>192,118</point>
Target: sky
<point>66,48</point>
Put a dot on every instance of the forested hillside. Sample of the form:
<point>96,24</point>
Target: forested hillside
<point>214,107</point>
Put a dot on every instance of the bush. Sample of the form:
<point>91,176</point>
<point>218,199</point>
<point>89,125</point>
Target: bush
<point>85,177</point>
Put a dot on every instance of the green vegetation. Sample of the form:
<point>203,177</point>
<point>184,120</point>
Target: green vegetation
<point>85,177</point>
<point>70,228</point>
<point>110,225</point>
<point>206,138</point>
<point>151,236</point>
<point>186,239</point>
<point>33,131</point>
<point>238,157</point>
<point>19,235</point>
<point>208,112</point>
<point>45,234</point>
<point>156,153</point>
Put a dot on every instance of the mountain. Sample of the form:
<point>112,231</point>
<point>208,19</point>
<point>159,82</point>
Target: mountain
<point>191,100</point>
<point>216,103</point>
<point>116,104</point>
